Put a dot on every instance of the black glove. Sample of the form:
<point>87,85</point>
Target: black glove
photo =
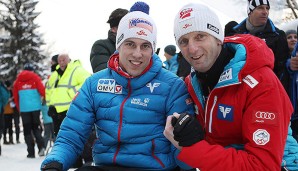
<point>52,111</point>
<point>187,130</point>
<point>53,166</point>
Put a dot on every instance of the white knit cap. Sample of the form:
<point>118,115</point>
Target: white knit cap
<point>197,17</point>
<point>136,24</point>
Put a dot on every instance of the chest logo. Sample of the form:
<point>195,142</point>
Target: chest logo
<point>225,76</point>
<point>108,86</point>
<point>225,112</point>
<point>152,86</point>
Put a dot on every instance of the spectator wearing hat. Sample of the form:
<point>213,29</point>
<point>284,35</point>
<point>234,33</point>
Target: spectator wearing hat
<point>292,39</point>
<point>260,25</point>
<point>128,102</point>
<point>28,92</point>
<point>235,91</point>
<point>102,49</point>
<point>175,62</point>
<point>171,62</point>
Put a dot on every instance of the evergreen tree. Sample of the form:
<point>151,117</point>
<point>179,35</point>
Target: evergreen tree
<point>20,43</point>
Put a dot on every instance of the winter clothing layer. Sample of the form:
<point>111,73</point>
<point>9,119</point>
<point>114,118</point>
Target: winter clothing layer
<point>290,159</point>
<point>172,64</point>
<point>246,115</point>
<point>130,116</point>
<point>4,96</point>
<point>62,89</point>
<point>276,40</point>
<point>27,91</point>
<point>45,117</point>
<point>101,51</point>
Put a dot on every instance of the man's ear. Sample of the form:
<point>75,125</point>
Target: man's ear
<point>114,29</point>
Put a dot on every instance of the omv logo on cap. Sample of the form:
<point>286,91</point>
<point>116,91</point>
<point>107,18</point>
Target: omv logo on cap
<point>225,112</point>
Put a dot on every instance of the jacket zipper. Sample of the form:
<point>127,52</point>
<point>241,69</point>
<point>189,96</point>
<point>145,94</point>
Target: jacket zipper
<point>154,156</point>
<point>120,122</point>
<point>211,112</point>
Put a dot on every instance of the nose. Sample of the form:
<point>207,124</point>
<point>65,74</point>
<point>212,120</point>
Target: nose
<point>137,52</point>
<point>192,47</point>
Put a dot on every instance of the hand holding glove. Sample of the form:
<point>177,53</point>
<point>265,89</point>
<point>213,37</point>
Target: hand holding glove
<point>52,166</point>
<point>187,130</point>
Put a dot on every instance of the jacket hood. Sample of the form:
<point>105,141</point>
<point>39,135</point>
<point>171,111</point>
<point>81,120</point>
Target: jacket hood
<point>257,53</point>
<point>26,75</point>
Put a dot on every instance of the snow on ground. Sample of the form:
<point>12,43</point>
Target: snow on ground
<point>14,157</point>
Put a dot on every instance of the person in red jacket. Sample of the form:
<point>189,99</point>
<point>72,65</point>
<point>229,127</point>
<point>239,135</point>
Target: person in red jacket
<point>242,109</point>
<point>28,92</point>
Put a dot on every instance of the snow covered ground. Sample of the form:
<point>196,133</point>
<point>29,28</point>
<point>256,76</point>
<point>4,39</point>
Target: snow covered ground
<point>14,158</point>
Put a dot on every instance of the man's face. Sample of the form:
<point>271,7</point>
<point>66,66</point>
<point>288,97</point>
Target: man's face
<point>259,16</point>
<point>135,55</point>
<point>63,60</point>
<point>200,50</point>
<point>292,39</point>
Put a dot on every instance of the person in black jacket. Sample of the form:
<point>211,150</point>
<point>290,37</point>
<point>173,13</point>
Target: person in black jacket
<point>258,24</point>
<point>102,49</point>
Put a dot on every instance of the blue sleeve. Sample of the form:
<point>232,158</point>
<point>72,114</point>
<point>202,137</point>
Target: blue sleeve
<point>75,129</point>
<point>180,102</point>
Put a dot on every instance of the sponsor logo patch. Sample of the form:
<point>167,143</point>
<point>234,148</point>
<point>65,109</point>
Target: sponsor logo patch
<point>138,101</point>
<point>261,137</point>
<point>226,75</point>
<point>26,86</point>
<point>108,86</point>
<point>225,112</point>
<point>140,23</point>
<point>120,38</point>
<point>265,118</point>
<point>212,28</point>
<point>250,81</point>
<point>185,13</point>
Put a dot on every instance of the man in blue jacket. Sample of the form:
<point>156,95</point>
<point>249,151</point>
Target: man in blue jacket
<point>128,103</point>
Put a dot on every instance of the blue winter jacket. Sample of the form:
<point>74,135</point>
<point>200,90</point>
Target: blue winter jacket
<point>172,64</point>
<point>129,115</point>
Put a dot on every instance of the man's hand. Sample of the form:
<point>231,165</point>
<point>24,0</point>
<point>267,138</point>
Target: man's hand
<point>294,63</point>
<point>168,132</point>
<point>52,166</point>
<point>187,130</point>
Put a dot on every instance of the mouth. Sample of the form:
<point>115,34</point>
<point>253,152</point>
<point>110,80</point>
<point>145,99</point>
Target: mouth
<point>137,63</point>
<point>197,57</point>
